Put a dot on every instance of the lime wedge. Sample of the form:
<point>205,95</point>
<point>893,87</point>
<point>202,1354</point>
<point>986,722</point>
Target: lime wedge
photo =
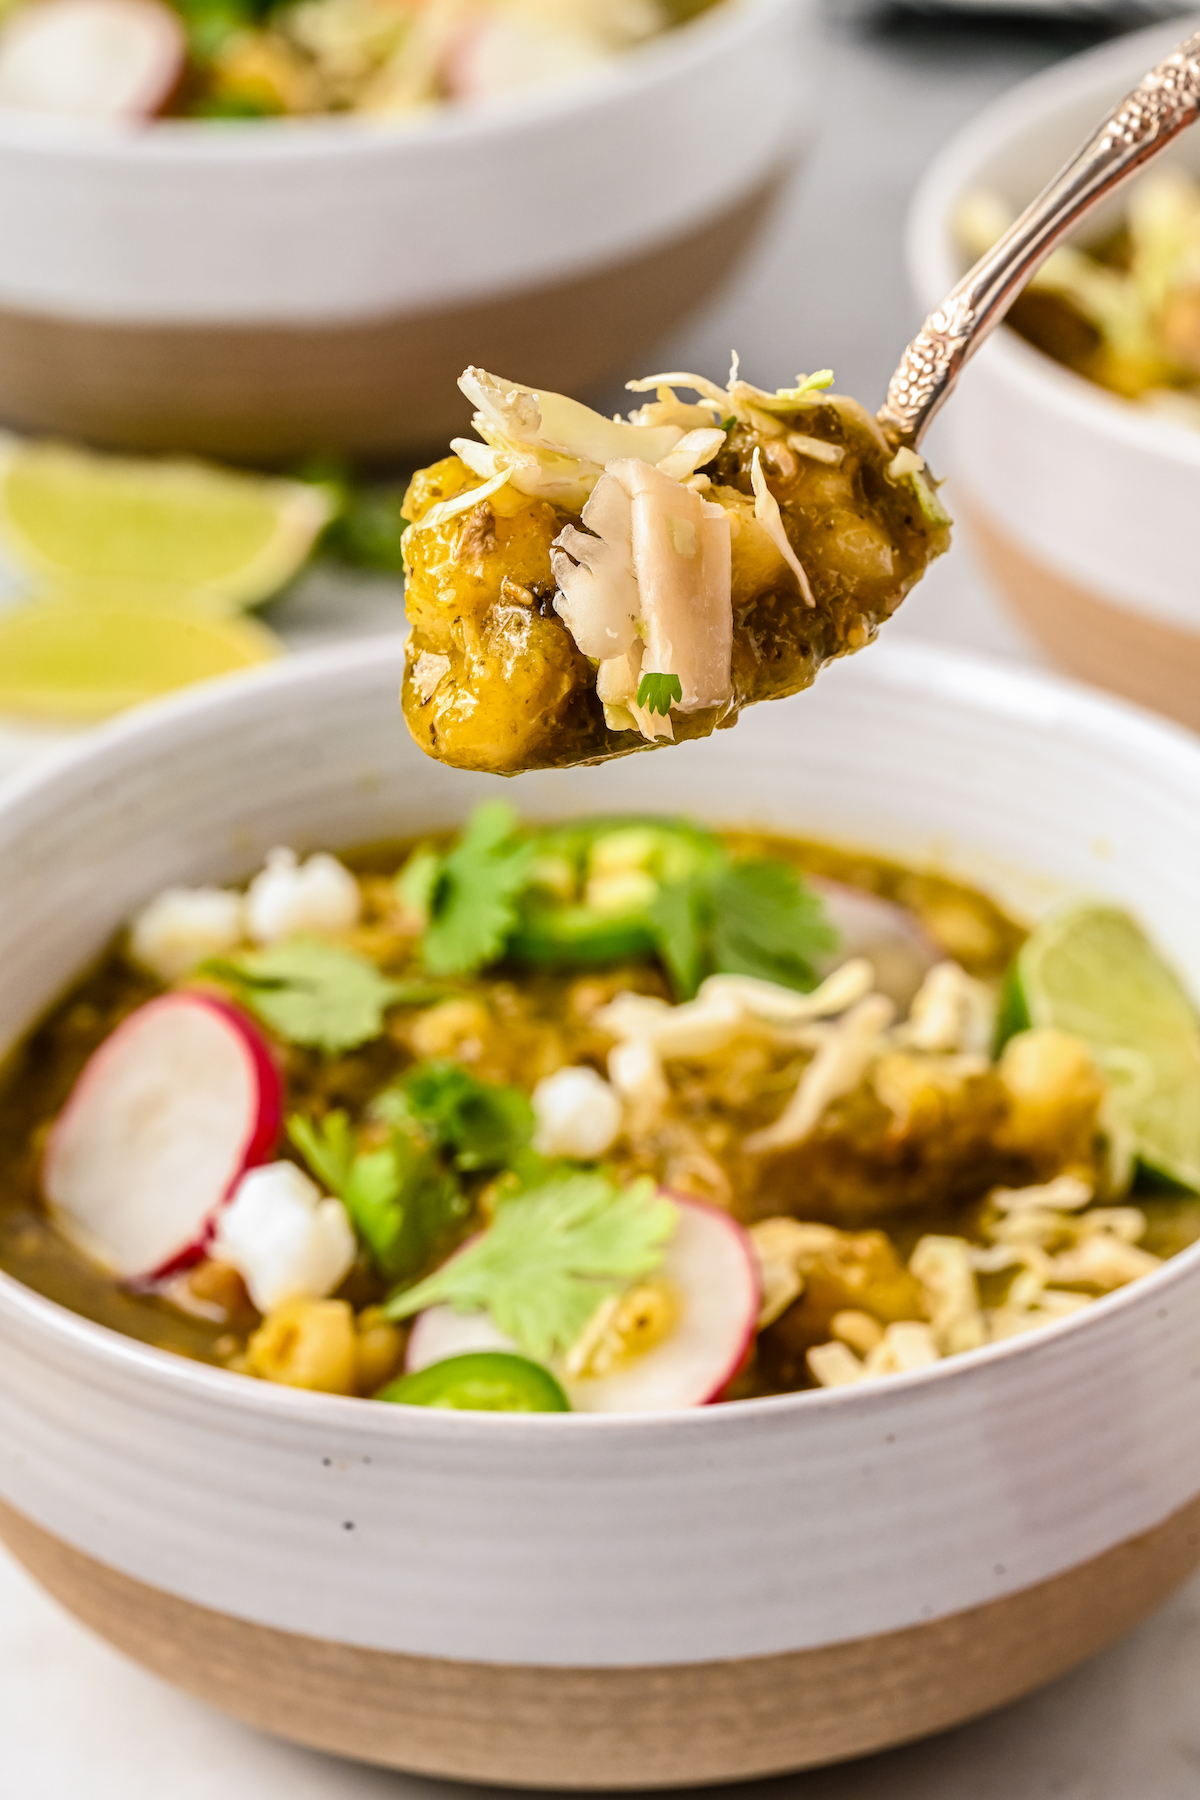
<point>119,528</point>
<point>1090,970</point>
<point>78,662</point>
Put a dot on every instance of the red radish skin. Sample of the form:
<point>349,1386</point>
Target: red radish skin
<point>92,59</point>
<point>711,1264</point>
<point>166,1117</point>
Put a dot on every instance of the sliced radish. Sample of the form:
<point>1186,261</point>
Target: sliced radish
<point>711,1267</point>
<point>892,939</point>
<point>167,1114</point>
<point>92,59</point>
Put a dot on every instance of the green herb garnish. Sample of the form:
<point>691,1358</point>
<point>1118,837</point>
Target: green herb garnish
<point>470,893</point>
<point>315,993</point>
<point>499,893</point>
<point>657,692</point>
<point>552,1254</point>
<point>746,918</point>
<point>481,1124</point>
<point>768,922</point>
<point>399,1198</point>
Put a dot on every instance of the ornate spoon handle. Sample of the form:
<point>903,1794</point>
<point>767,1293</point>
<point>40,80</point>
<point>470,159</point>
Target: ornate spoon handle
<point>1158,109</point>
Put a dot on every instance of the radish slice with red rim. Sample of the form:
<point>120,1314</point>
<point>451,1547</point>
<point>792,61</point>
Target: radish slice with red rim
<point>92,59</point>
<point>710,1268</point>
<point>891,938</point>
<point>166,1116</point>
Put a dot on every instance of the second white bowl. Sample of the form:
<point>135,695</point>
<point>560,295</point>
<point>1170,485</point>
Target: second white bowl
<point>274,287</point>
<point>1083,505</point>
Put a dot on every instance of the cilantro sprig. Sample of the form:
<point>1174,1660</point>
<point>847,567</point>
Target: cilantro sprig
<point>552,1254</point>
<point>468,896</point>
<point>479,1123</point>
<point>315,993</point>
<point>400,1178</point>
<point>401,1201</point>
<point>657,693</point>
<point>746,918</point>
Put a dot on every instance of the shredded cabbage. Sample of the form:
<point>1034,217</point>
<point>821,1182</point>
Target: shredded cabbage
<point>766,511</point>
<point>653,568</point>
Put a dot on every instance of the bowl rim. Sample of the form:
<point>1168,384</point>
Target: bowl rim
<point>166,1372</point>
<point>634,74</point>
<point>1010,690</point>
<point>933,269</point>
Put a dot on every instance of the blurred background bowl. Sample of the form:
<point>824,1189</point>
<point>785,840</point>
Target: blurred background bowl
<point>1082,505</point>
<point>266,289</point>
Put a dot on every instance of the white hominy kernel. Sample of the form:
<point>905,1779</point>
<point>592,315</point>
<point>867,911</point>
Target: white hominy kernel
<point>290,898</point>
<point>183,926</point>
<point>577,1114</point>
<point>283,1238</point>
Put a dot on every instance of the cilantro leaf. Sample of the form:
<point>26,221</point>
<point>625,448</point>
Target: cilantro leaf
<point>315,993</point>
<point>482,1124</point>
<point>768,922</point>
<point>745,918</point>
<point>399,1199</point>
<point>416,881</point>
<point>471,895</point>
<point>656,692</point>
<point>681,919</point>
<point>551,1255</point>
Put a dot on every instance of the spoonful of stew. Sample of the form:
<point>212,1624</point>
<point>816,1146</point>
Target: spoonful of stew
<point>580,587</point>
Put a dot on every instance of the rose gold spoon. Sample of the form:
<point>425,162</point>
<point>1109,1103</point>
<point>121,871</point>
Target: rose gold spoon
<point>1162,105</point>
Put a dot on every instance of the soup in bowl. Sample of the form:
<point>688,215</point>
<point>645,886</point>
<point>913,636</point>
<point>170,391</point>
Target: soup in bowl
<point>777,1464</point>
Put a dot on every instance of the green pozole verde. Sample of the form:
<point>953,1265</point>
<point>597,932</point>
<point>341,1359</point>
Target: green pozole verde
<point>623,1114</point>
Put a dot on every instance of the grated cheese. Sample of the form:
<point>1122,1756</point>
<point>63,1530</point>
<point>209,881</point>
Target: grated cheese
<point>837,1069</point>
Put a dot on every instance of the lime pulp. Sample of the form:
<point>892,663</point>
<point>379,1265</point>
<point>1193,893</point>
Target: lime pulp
<point>1090,970</point>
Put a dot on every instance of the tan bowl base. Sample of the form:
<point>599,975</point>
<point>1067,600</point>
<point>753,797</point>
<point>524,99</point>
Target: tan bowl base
<point>1126,652</point>
<point>626,1727</point>
<point>381,387</point>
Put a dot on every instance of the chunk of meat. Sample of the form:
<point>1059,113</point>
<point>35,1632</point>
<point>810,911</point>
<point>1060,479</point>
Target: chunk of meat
<point>737,557</point>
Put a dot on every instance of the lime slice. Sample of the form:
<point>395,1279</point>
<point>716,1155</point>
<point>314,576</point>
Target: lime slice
<point>78,662</point>
<point>108,527</point>
<point>1090,970</point>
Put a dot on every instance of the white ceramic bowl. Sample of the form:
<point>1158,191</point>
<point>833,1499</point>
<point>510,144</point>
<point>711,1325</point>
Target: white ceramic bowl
<point>1083,504</point>
<point>600,1600</point>
<point>265,288</point>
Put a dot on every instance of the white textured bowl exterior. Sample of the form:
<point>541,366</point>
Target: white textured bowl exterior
<point>1093,488</point>
<point>771,1526</point>
<point>186,222</point>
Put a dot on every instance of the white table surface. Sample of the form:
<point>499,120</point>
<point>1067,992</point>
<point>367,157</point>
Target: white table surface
<point>827,289</point>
